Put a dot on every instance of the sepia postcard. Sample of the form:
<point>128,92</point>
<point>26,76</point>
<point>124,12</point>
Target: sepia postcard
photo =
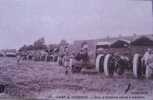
<point>76,50</point>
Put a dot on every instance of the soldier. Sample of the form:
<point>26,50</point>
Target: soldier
<point>66,59</point>
<point>146,56</point>
<point>148,61</point>
<point>18,57</point>
<point>84,53</point>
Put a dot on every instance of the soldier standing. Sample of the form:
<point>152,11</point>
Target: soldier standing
<point>148,61</point>
<point>84,53</point>
<point>66,59</point>
<point>18,57</point>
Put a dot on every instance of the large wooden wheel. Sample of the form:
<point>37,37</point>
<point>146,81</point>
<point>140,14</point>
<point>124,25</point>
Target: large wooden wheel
<point>109,65</point>
<point>100,63</point>
<point>137,64</point>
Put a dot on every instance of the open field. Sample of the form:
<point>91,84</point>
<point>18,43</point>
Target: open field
<point>44,80</point>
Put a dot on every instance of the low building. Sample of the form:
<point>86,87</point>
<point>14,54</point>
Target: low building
<point>10,52</point>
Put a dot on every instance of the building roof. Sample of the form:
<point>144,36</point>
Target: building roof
<point>143,41</point>
<point>120,44</point>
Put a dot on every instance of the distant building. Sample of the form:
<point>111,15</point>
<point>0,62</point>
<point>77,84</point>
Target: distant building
<point>9,52</point>
<point>92,43</point>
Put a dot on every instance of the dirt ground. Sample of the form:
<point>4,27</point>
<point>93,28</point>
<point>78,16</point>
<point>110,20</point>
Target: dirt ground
<point>47,81</point>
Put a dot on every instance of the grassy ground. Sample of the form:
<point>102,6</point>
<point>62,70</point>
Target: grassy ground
<point>48,80</point>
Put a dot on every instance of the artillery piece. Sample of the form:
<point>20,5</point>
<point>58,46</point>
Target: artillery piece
<point>115,57</point>
<point>121,55</point>
<point>112,57</point>
<point>106,58</point>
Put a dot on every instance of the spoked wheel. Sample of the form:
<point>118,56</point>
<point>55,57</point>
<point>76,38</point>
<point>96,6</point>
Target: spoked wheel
<point>109,65</point>
<point>137,66</point>
<point>100,63</point>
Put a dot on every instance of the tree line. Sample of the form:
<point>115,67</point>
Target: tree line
<point>40,44</point>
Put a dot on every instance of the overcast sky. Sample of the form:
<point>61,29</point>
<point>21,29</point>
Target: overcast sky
<point>23,21</point>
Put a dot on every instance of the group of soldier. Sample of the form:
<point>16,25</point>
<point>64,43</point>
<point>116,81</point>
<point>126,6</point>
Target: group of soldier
<point>34,56</point>
<point>68,57</point>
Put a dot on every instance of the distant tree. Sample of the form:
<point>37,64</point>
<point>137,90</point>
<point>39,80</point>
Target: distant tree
<point>30,47</point>
<point>23,48</point>
<point>39,44</point>
<point>63,43</point>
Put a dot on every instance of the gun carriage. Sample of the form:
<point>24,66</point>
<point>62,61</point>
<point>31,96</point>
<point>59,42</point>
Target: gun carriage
<point>123,55</point>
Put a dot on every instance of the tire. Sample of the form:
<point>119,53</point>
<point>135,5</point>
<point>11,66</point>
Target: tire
<point>137,66</point>
<point>108,65</point>
<point>99,63</point>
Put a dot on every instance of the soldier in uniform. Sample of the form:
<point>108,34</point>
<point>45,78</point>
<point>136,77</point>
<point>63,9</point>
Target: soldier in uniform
<point>84,53</point>
<point>66,59</point>
<point>148,61</point>
<point>18,57</point>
